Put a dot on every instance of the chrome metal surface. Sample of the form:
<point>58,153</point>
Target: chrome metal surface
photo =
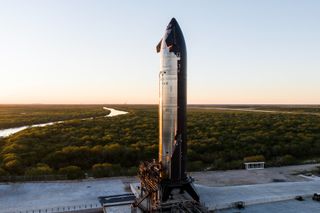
<point>167,106</point>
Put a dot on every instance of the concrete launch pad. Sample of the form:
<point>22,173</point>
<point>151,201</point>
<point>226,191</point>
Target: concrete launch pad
<point>280,197</point>
<point>218,189</point>
<point>56,195</point>
<point>257,198</point>
<point>225,197</point>
<point>289,206</point>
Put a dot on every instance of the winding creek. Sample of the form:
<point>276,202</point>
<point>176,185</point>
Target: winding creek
<point>10,131</point>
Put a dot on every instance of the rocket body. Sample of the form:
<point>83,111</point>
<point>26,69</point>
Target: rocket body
<point>172,103</point>
<point>167,179</point>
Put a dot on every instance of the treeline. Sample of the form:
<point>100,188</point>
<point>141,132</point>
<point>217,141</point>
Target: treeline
<point>21,115</point>
<point>115,145</point>
<point>226,138</point>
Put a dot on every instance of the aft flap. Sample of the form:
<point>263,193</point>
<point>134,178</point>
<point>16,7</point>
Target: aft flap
<point>159,46</point>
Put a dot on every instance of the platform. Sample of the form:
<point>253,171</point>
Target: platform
<point>48,195</point>
<point>288,206</point>
<point>225,197</point>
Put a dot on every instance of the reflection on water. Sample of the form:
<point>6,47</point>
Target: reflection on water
<point>114,112</point>
<point>10,131</point>
<point>7,132</point>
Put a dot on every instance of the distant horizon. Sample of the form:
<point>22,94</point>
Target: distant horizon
<point>217,104</point>
<point>91,52</point>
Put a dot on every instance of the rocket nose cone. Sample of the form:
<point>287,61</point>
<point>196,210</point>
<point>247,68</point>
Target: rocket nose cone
<point>173,39</point>
<point>172,23</point>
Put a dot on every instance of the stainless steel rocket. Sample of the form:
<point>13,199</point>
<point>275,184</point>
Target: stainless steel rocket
<point>172,102</point>
<point>173,113</point>
<point>167,179</point>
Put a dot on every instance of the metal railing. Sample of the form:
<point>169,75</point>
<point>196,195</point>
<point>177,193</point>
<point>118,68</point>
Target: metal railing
<point>60,209</point>
<point>23,178</point>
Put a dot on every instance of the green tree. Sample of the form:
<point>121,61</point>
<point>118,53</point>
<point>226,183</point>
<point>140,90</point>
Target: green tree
<point>102,170</point>
<point>72,172</point>
<point>286,160</point>
<point>254,158</point>
<point>3,172</point>
<point>14,167</point>
<point>41,169</point>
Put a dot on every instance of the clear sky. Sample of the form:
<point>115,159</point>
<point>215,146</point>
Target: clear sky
<point>92,51</point>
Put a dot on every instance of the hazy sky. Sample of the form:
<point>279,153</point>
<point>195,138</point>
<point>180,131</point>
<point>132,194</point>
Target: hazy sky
<point>90,51</point>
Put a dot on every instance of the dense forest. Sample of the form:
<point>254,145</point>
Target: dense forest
<point>112,146</point>
<point>21,115</point>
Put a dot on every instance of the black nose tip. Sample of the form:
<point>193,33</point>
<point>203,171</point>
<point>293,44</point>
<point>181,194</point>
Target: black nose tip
<point>172,23</point>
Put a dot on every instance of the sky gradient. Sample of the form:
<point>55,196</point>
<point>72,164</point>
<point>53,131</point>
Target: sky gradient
<point>103,52</point>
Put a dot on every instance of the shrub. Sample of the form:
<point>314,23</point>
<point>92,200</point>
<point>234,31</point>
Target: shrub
<point>40,170</point>
<point>106,170</point>
<point>14,167</point>
<point>286,160</point>
<point>3,172</point>
<point>102,169</point>
<point>254,158</point>
<point>72,172</point>
<point>195,166</point>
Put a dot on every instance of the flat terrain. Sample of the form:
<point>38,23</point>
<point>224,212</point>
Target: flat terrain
<point>218,139</point>
<point>54,196</point>
<point>59,194</point>
<point>288,206</point>
<point>225,197</point>
<point>21,115</point>
<point>298,109</point>
<point>246,177</point>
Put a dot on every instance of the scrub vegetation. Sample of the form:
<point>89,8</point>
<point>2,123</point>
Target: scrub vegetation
<point>21,115</point>
<point>113,146</point>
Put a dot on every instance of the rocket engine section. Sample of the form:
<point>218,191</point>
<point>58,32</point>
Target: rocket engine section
<point>172,103</point>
